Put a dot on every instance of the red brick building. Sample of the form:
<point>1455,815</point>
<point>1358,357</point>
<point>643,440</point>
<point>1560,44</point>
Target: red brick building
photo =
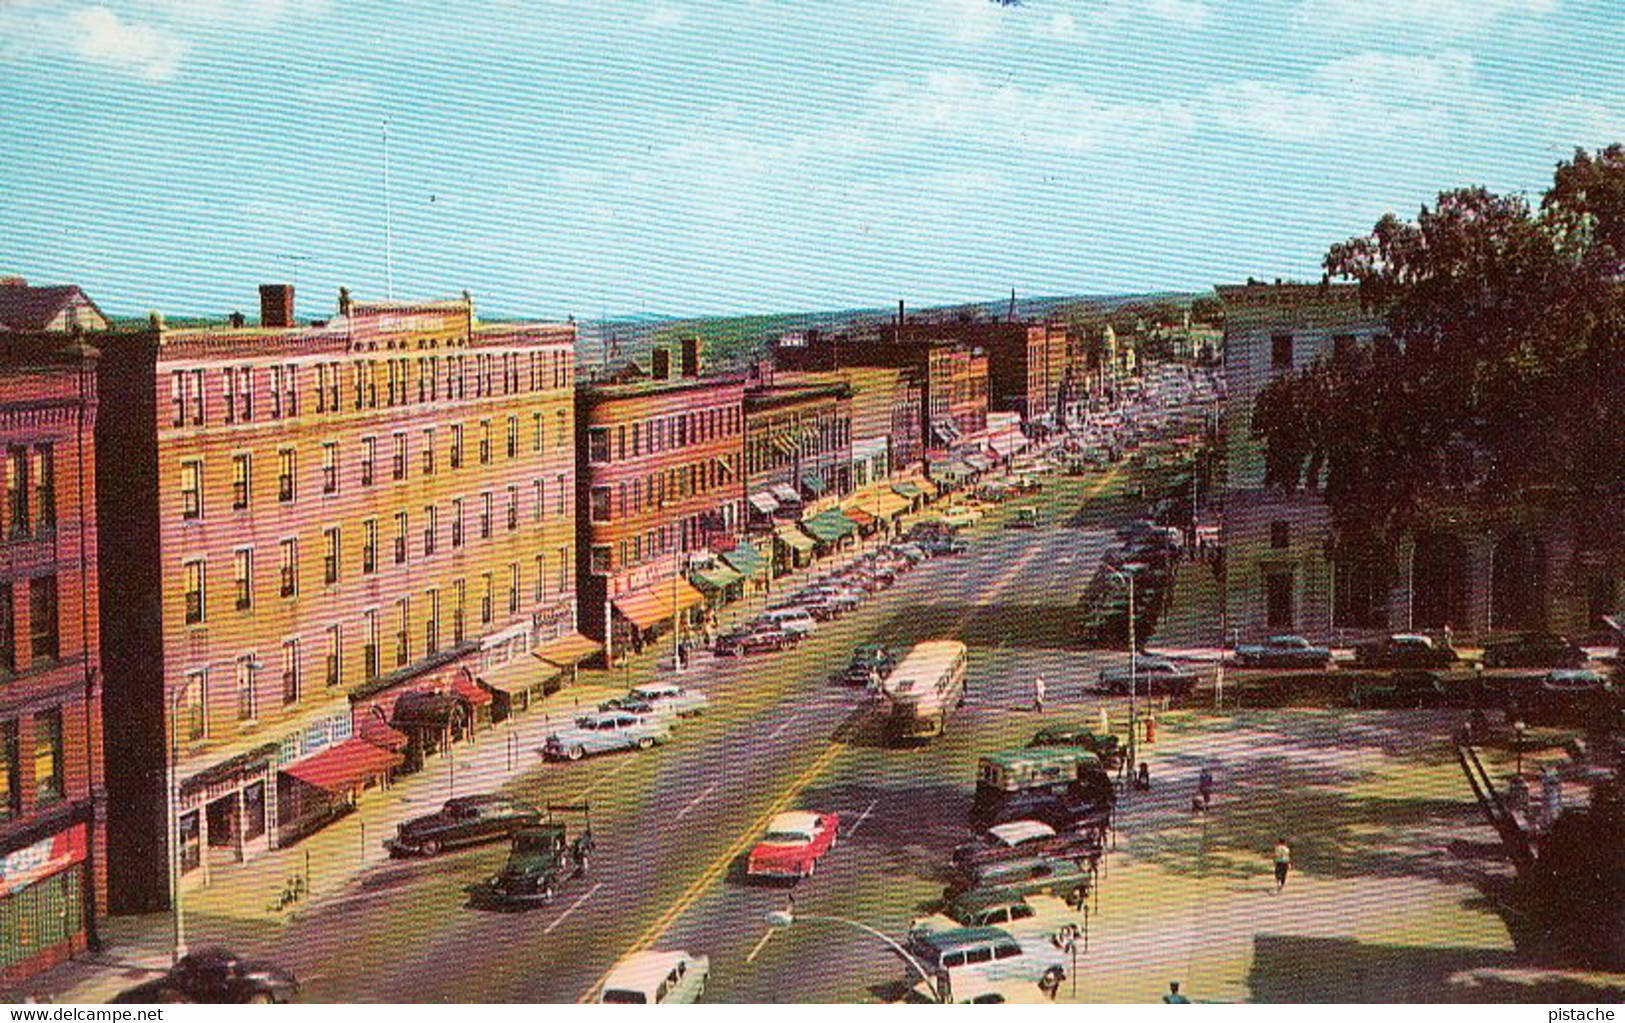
<point>330,550</point>
<point>52,796</point>
<point>661,488</point>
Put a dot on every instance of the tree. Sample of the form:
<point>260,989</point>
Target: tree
<point>1504,380</point>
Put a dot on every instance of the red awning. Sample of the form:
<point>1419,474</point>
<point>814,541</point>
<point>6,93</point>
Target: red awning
<point>345,766</point>
<point>861,517</point>
<point>472,691</point>
<point>379,733</point>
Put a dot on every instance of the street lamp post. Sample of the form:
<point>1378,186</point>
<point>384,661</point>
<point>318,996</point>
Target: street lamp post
<point>1128,572</point>
<point>1518,730</point>
<point>177,911</point>
<point>786,917</point>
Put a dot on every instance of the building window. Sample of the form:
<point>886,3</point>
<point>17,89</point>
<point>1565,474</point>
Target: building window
<point>513,588</point>
<point>8,629</point>
<point>403,622</point>
<point>369,651</point>
<point>289,574</point>
<point>286,463</point>
<point>431,625</point>
<point>245,394</point>
<point>487,588</point>
<point>457,446</point>
<point>431,528</point>
<point>11,772</point>
<point>513,507</point>
<point>459,612</point>
<point>290,671</point>
<point>397,464</point>
<point>485,516</point>
<point>562,430</point>
<point>369,460</point>
<point>598,559</point>
<point>240,466</point>
<point>45,486</point>
<point>1280,351</point>
<point>513,436</point>
<point>598,504</point>
<point>456,522</point>
<point>245,689</point>
<point>564,570</point>
<point>242,578</point>
<point>536,428</point>
<point>49,783</point>
<point>1280,535</point>
<point>1278,600</point>
<point>541,579</point>
<point>16,492</point>
<point>369,546</point>
<point>194,721</point>
<point>330,556</point>
<point>402,527</point>
<point>428,451</point>
<point>330,468</point>
<point>192,581</point>
<point>560,496</point>
<point>597,445</point>
<point>334,661</point>
<point>540,494</point>
<point>485,442</point>
<point>192,489</point>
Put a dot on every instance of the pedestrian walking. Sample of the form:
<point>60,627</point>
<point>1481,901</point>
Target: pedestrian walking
<point>1173,997</point>
<point>1105,723</point>
<point>1204,785</point>
<point>1283,862</point>
<point>1038,694</point>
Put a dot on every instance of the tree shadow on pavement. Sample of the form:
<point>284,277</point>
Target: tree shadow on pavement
<point>1297,969</point>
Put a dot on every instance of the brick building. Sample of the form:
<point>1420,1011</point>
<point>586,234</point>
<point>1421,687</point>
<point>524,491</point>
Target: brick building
<point>798,459</point>
<point>330,550</point>
<point>661,477</point>
<point>53,881</point>
<point>1026,362</point>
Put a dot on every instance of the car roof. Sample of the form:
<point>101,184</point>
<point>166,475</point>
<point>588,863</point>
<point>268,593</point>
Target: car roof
<point>480,799</point>
<point>657,687</point>
<point>959,937</point>
<point>1016,832</point>
<point>975,900</point>
<point>641,971</point>
<point>794,820</point>
<point>1411,637</point>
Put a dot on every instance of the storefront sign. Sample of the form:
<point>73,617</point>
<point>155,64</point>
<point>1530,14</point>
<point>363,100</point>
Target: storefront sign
<point>35,862</point>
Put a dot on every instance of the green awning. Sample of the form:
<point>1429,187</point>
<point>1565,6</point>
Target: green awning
<point>744,560</point>
<point>813,483</point>
<point>830,526</point>
<point>907,489</point>
<point>716,579</point>
<point>795,538</point>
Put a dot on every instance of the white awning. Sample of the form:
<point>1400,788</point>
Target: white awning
<point>764,502</point>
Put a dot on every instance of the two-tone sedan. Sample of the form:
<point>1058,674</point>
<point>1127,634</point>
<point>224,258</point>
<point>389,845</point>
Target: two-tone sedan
<point>605,732</point>
<point>793,845</point>
<point>662,701</point>
<point>1282,652</point>
<point>1151,676</point>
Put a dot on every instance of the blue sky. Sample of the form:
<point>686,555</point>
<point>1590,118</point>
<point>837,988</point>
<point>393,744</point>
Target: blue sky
<point>689,156</point>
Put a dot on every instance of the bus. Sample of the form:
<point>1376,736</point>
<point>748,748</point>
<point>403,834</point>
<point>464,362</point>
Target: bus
<point>924,689</point>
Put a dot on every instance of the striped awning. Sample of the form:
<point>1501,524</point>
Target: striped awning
<point>519,675</point>
<point>568,650</point>
<point>830,526</point>
<point>795,538</point>
<point>908,489</point>
<point>745,560</point>
<point>715,578</point>
<point>786,443</point>
<point>764,502</point>
<point>813,483</point>
<point>652,605</point>
<point>786,493</point>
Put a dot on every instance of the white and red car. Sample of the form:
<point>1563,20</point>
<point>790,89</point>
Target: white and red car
<point>793,845</point>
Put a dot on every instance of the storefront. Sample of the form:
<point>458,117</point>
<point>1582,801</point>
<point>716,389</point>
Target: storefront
<point>641,614</point>
<point>225,812</point>
<point>720,583</point>
<point>792,549</point>
<point>832,530</point>
<point>44,907</point>
<point>749,563</point>
<point>319,789</point>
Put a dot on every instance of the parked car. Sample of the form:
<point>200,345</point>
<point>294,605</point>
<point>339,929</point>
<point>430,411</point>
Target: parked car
<point>1024,839</point>
<point>1032,875</point>
<point>1021,917</point>
<point>1108,747</point>
<point>663,700</point>
<point>821,610</point>
<point>1571,697</point>
<point>974,956</point>
<point>1026,518</point>
<point>217,977</point>
<point>912,551</point>
<point>1404,651</point>
<point>760,638</point>
<point>657,978</point>
<point>1282,652</point>
<point>790,619</point>
<point>793,844</point>
<point>1152,676</point>
<point>866,661</point>
<point>464,820</point>
<point>959,516</point>
<point>1534,650</point>
<point>541,859</point>
<point>1068,789</point>
<point>605,732</point>
<point>1409,688</point>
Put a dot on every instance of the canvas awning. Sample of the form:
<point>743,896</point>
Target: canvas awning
<point>1006,444</point>
<point>428,710</point>
<point>341,768</point>
<point>978,461</point>
<point>716,578</point>
<point>519,675</point>
<point>786,493</point>
<point>888,505</point>
<point>468,689</point>
<point>785,443</point>
<point>830,526</point>
<point>568,650</point>
<point>764,502</point>
<point>744,560</point>
<point>863,519</point>
<point>908,489</point>
<point>813,483</point>
<point>652,605</point>
<point>795,538</point>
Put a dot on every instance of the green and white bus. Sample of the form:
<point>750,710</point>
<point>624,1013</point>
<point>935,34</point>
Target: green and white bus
<point>924,689</point>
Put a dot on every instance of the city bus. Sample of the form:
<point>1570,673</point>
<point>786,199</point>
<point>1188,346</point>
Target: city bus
<point>924,689</point>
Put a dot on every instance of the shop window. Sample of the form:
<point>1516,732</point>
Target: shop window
<point>190,842</point>
<point>49,783</point>
<point>253,810</point>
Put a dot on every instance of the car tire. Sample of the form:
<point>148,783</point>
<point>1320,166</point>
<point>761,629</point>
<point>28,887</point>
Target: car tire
<point>431,847</point>
<point>575,752</point>
<point>646,743</point>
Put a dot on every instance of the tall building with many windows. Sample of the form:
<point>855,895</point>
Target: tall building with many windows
<point>52,796</point>
<point>331,550</point>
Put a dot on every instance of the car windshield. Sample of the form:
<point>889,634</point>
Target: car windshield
<point>619,997</point>
<point>787,837</point>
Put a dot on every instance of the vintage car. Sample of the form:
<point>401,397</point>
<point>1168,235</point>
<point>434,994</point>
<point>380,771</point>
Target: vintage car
<point>1282,652</point>
<point>656,978</point>
<point>1404,650</point>
<point>1573,697</point>
<point>215,976</point>
<point>1401,689</point>
<point>1152,676</point>
<point>1068,789</point>
<point>756,638</point>
<point>868,660</point>
<point>1533,650</point>
<point>1024,839</point>
<point>1022,917</point>
<point>976,956</point>
<point>1033,875</point>
<point>959,516</point>
<point>1108,747</point>
<point>605,732</point>
<point>1026,518</point>
<point>660,700</point>
<point>465,820</point>
<point>793,845</point>
<point>541,859</point>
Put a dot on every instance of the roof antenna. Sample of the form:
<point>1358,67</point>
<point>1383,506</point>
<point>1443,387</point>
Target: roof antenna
<point>1012,317</point>
<point>389,224</point>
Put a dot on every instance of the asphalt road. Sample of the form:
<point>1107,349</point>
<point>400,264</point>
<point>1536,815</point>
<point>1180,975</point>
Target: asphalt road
<point>672,825</point>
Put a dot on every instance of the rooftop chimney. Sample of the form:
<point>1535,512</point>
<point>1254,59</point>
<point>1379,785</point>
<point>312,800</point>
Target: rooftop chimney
<point>660,364</point>
<point>691,356</point>
<point>276,305</point>
<point>237,320</point>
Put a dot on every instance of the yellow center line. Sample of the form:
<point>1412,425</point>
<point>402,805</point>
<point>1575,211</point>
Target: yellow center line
<point>722,863</point>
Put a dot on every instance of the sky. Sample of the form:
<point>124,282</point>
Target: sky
<point>686,157</point>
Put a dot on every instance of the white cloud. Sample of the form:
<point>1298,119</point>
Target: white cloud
<point>1440,17</point>
<point>1190,13</point>
<point>1371,95</point>
<point>664,16</point>
<point>143,50</point>
<point>969,21</point>
<point>1062,26</point>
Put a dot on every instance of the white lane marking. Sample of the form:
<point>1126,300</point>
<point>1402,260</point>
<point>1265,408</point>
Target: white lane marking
<point>863,817</point>
<point>606,776</point>
<point>573,907</point>
<point>756,950</point>
<point>696,801</point>
<point>775,733</point>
